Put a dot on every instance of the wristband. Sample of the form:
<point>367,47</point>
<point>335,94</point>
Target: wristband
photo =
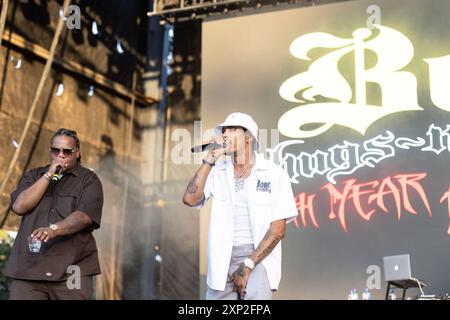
<point>249,263</point>
<point>212,164</point>
<point>47,176</point>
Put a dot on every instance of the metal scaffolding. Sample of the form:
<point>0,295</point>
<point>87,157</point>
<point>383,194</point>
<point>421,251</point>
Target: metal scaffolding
<point>182,10</point>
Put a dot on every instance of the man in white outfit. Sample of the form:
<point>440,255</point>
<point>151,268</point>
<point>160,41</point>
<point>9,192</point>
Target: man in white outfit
<point>252,200</point>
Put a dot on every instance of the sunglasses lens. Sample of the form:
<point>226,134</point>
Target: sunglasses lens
<point>56,151</point>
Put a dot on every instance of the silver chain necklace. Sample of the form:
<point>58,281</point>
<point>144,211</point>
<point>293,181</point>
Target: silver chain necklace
<point>239,180</point>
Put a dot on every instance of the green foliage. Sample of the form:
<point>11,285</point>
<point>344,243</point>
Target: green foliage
<point>5,249</point>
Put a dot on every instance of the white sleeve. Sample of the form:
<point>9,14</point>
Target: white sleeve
<point>209,184</point>
<point>283,201</point>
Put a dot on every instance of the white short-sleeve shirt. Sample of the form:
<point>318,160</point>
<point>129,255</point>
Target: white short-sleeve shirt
<point>270,198</point>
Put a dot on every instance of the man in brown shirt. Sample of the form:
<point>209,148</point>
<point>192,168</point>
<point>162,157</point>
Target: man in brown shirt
<point>60,204</point>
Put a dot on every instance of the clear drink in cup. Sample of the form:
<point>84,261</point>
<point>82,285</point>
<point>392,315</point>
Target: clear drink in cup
<point>34,244</point>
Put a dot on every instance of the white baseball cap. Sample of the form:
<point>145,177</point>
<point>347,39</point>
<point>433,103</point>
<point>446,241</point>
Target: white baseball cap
<point>242,120</point>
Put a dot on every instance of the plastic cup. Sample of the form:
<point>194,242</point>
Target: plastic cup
<point>34,244</point>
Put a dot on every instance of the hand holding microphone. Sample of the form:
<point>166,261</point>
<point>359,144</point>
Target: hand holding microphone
<point>56,168</point>
<point>215,143</point>
<point>57,175</point>
<point>216,148</point>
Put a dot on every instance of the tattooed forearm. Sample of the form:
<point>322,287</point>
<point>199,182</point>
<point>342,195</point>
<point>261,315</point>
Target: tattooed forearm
<point>193,186</point>
<point>272,237</point>
<point>194,194</point>
<point>75,222</point>
<point>266,247</point>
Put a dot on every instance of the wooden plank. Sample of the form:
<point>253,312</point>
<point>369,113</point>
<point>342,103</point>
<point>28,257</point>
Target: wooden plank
<point>99,79</point>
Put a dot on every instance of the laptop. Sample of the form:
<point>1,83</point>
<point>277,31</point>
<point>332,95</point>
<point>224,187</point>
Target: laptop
<point>397,267</point>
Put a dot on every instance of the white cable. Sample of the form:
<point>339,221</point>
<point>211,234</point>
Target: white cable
<point>420,286</point>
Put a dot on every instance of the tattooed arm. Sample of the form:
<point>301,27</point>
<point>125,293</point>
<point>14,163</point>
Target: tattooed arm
<point>270,240</point>
<point>194,192</point>
<point>267,244</point>
<point>73,223</point>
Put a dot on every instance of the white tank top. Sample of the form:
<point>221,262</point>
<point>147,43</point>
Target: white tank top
<point>242,227</point>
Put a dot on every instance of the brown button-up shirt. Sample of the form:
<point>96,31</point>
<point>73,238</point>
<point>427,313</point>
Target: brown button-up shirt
<point>78,190</point>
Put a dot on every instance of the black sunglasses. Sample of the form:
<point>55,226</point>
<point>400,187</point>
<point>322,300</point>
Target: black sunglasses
<point>66,152</point>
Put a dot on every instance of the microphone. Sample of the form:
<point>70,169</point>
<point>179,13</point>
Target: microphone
<point>57,175</point>
<point>206,147</point>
